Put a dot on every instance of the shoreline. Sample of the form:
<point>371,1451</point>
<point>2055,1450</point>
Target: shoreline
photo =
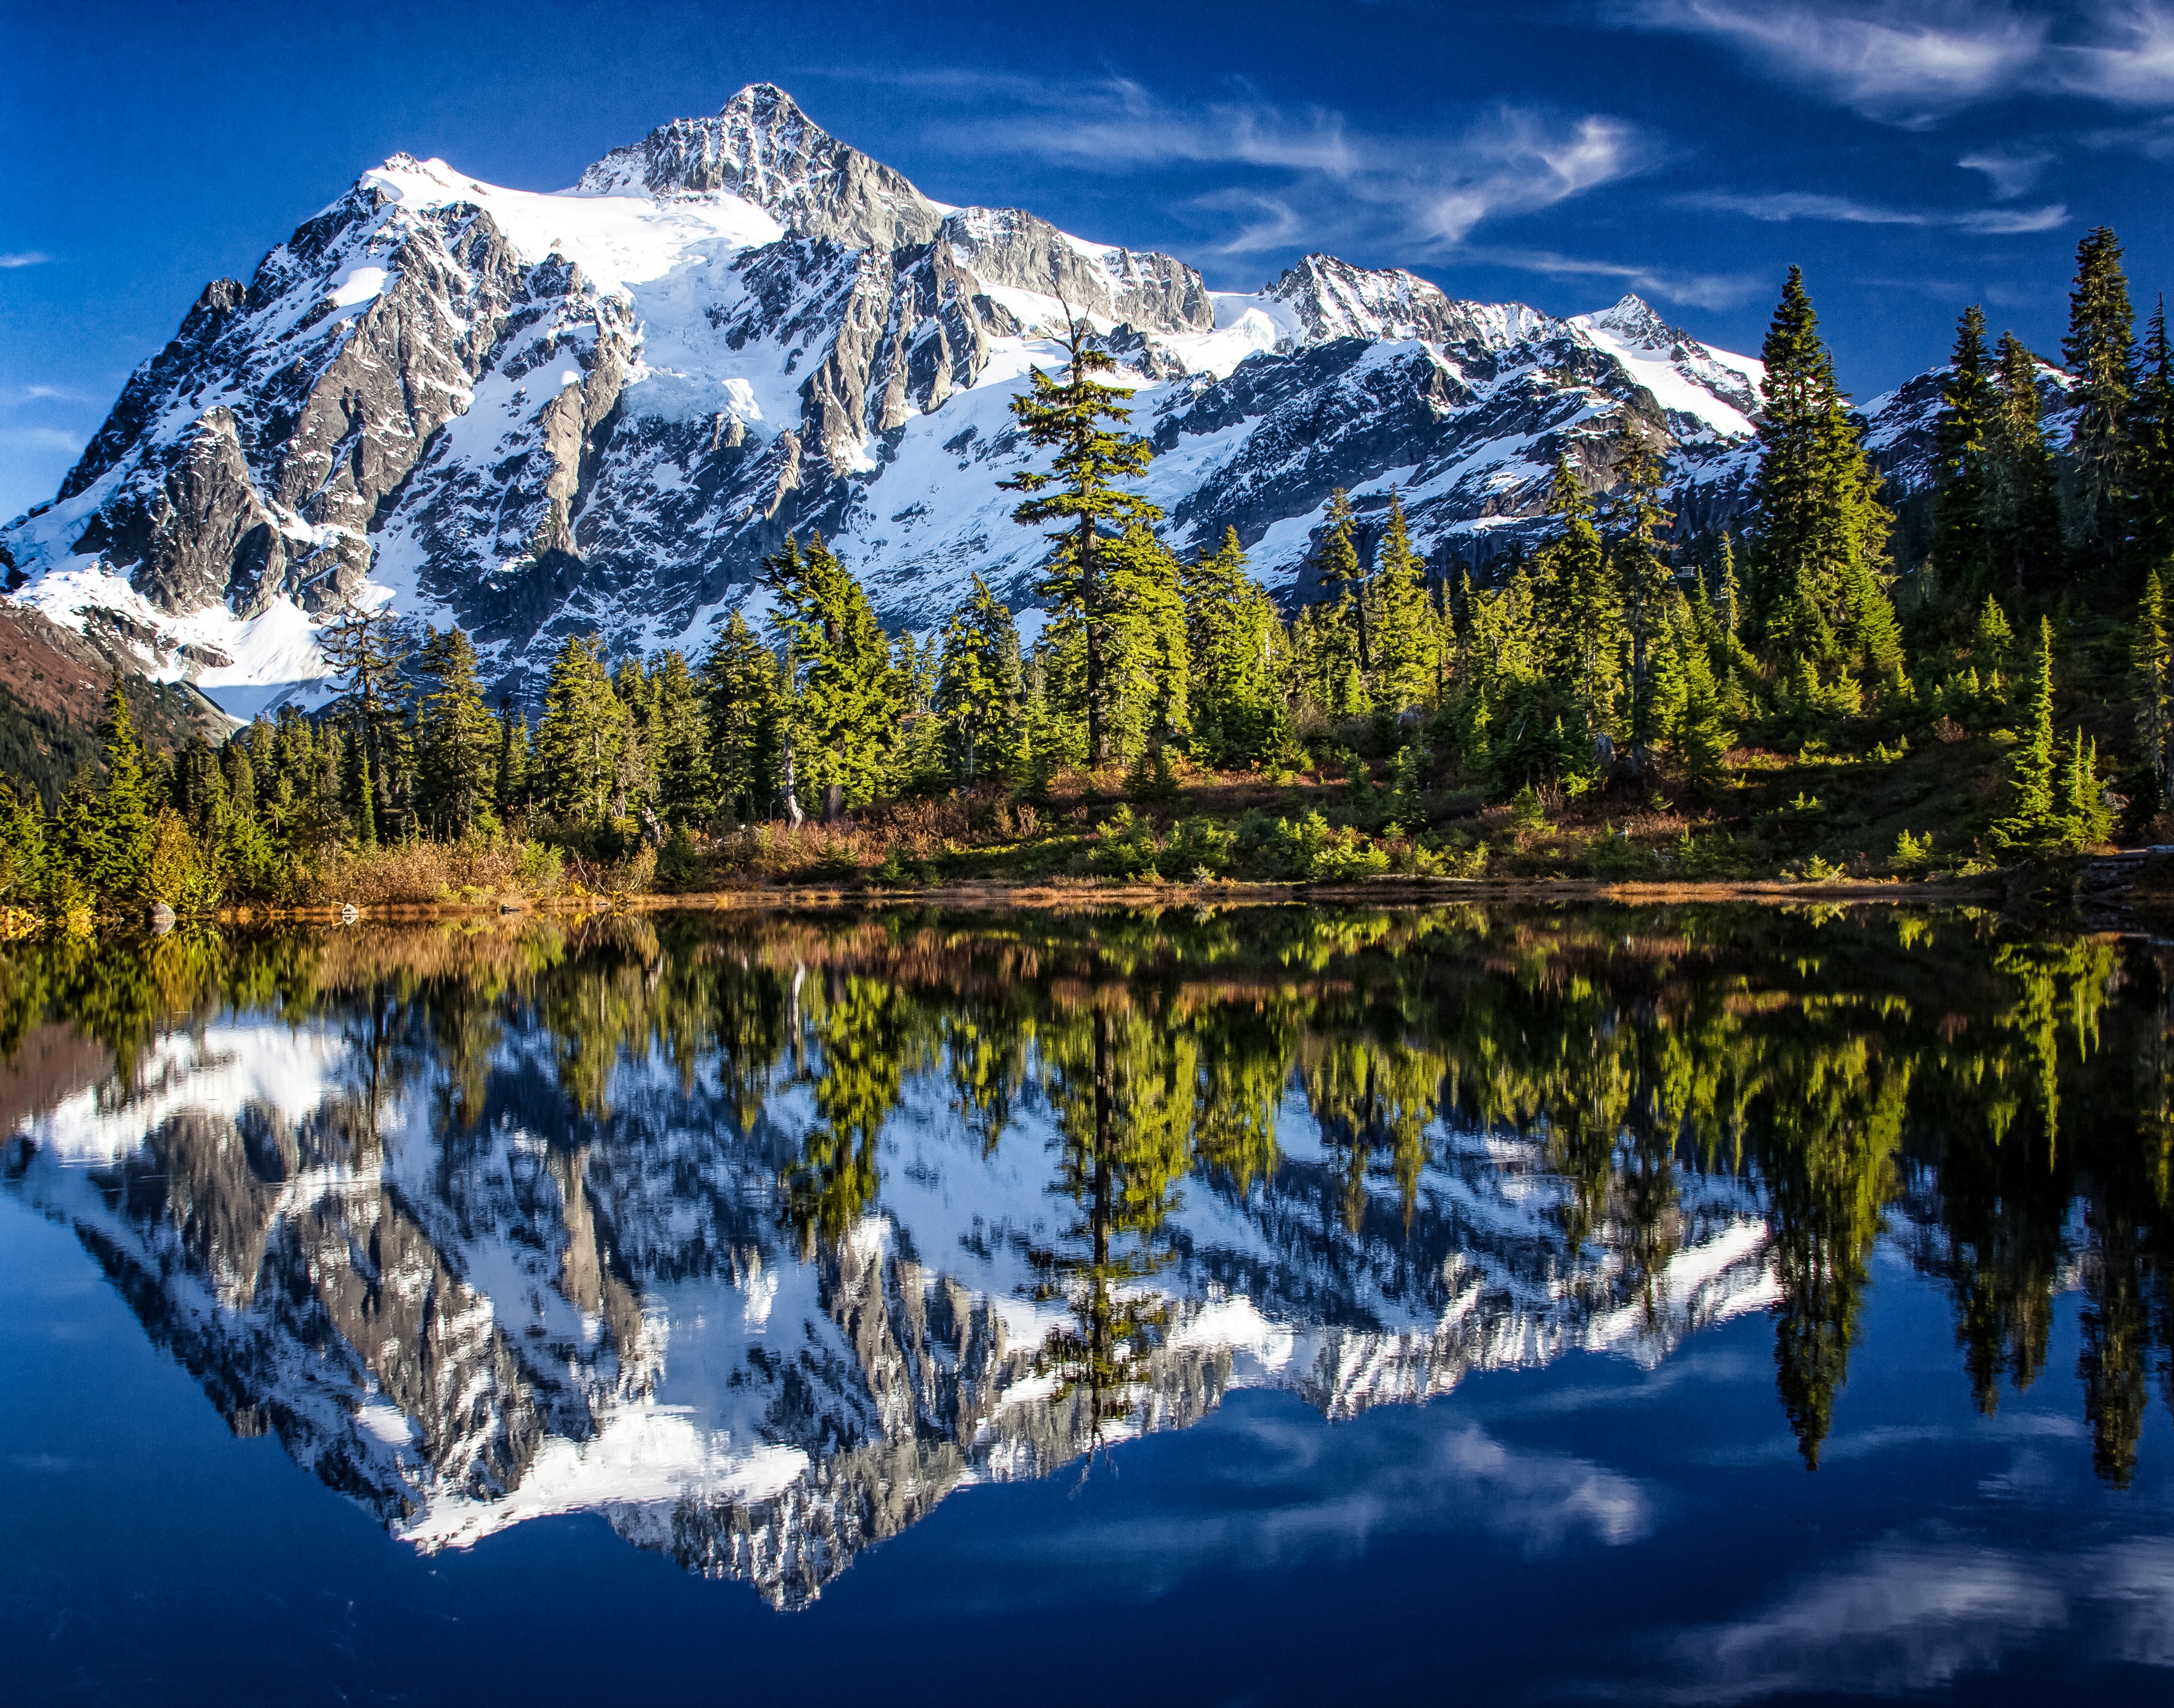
<point>995,897</point>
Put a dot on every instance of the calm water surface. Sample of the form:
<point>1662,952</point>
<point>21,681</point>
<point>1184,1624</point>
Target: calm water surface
<point>1682,1305</point>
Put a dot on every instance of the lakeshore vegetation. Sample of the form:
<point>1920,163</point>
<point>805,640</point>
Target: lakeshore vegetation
<point>1982,673</point>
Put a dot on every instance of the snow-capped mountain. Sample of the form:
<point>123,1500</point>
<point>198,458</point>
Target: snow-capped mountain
<point>466,1304</point>
<point>537,415</point>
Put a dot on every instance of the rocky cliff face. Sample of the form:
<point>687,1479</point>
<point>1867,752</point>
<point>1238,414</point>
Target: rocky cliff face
<point>599,409</point>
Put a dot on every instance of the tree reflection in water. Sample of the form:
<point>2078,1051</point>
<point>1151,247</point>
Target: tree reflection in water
<point>1340,1087</point>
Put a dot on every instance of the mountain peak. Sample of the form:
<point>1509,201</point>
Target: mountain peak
<point>763,148</point>
<point>1633,320</point>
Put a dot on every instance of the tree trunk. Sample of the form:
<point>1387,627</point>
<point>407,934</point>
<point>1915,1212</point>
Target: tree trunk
<point>834,803</point>
<point>791,800</point>
<point>1091,600</point>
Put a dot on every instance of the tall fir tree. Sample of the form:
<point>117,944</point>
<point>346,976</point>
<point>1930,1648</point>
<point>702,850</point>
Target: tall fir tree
<point>2023,525</point>
<point>458,739</point>
<point>1082,421</point>
<point>1961,550</point>
<point>366,648</point>
<point>2100,349</point>
<point>1816,493</point>
<point>2153,659</point>
<point>1580,607</point>
<point>1399,620</point>
<point>686,783</point>
<point>109,836</point>
<point>2034,816</point>
<point>1341,657</point>
<point>1643,577</point>
<point>743,710</point>
<point>1233,640</point>
<point>575,760</point>
<point>843,697</point>
<point>978,686</point>
<point>2151,450</point>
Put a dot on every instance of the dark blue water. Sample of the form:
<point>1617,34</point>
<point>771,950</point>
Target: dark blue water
<point>1506,1421</point>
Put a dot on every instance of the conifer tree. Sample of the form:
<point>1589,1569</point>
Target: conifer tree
<point>458,738</point>
<point>1341,661</point>
<point>2085,817</point>
<point>1232,636</point>
<point>364,648</point>
<point>510,792</point>
<point>2023,524</point>
<point>2153,658</point>
<point>843,697</point>
<point>1815,494</point>
<point>978,685</point>
<point>1961,554</point>
<point>23,854</point>
<point>1081,420</point>
<point>2034,816</point>
<point>741,698</point>
<point>578,744</point>
<point>107,834</point>
<point>2101,350</point>
<point>1399,620</point>
<point>686,787</point>
<point>1147,664</point>
<point>2151,450</point>
<point>1644,580</point>
<point>1580,607</point>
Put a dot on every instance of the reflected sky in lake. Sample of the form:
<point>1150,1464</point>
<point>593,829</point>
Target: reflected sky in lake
<point>1699,1304</point>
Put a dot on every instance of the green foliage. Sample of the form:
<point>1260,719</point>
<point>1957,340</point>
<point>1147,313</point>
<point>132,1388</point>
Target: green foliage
<point>2101,350</point>
<point>842,697</point>
<point>458,742</point>
<point>979,687</point>
<point>584,731</point>
<point>1091,591</point>
<point>742,705</point>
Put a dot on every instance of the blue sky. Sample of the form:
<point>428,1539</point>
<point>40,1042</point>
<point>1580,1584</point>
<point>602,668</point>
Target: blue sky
<point>1913,156</point>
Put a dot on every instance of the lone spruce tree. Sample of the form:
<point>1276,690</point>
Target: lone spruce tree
<point>1816,493</point>
<point>1962,556</point>
<point>2100,349</point>
<point>1081,419</point>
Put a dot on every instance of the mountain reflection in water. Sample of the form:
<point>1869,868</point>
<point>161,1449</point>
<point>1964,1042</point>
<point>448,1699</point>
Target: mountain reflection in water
<point>760,1236</point>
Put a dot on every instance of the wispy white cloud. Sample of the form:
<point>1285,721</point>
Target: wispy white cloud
<point>1781,206</point>
<point>2010,171</point>
<point>1426,193</point>
<point>1913,63</point>
<point>25,258</point>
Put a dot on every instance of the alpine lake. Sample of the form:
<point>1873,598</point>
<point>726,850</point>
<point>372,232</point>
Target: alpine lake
<point>1688,1304</point>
